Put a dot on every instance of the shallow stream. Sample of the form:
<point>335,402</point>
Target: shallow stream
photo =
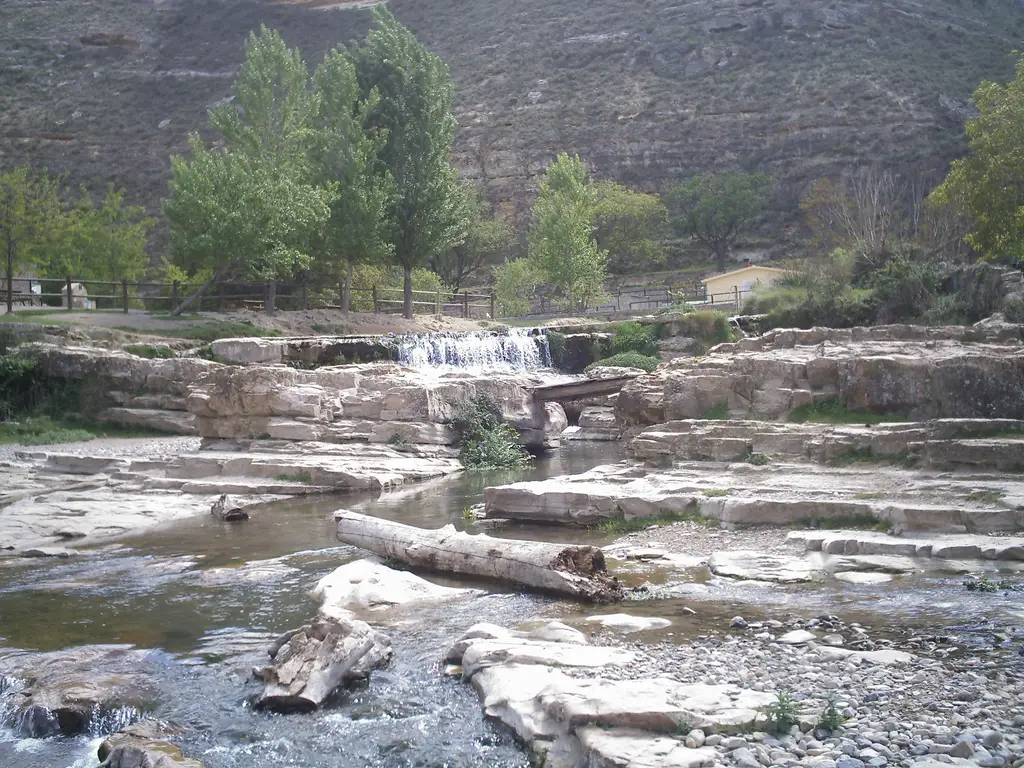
<point>204,599</point>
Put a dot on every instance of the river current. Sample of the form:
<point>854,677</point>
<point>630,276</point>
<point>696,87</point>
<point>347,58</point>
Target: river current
<point>202,600</point>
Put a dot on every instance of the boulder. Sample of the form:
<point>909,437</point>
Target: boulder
<point>370,584</point>
<point>143,745</point>
<point>312,663</point>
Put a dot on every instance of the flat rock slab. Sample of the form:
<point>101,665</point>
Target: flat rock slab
<point>624,622</point>
<point>763,566</point>
<point>524,652</point>
<point>639,749</point>
<point>958,547</point>
<point>872,657</point>
<point>858,577</point>
<point>778,494</point>
<point>372,585</point>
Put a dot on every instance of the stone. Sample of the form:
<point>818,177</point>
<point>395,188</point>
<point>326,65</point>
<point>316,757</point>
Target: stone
<point>624,622</point>
<point>762,566</point>
<point>311,663</point>
<point>738,622</point>
<point>143,745</point>
<point>59,552</point>
<point>797,637</point>
<point>744,758</point>
<point>228,509</point>
<point>963,748</point>
<point>372,585</point>
<point>612,748</point>
<point>849,762</point>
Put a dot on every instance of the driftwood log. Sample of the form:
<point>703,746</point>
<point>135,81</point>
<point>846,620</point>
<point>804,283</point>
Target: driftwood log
<point>578,571</point>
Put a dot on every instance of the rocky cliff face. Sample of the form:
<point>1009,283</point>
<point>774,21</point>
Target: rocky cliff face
<point>645,91</point>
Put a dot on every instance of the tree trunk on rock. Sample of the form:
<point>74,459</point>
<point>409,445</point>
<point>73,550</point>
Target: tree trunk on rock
<point>578,571</point>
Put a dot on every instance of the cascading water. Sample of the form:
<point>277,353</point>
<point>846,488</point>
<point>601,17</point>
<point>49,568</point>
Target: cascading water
<point>512,349</point>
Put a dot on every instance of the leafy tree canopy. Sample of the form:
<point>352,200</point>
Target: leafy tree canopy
<point>715,209</point>
<point>632,226</point>
<point>989,182</point>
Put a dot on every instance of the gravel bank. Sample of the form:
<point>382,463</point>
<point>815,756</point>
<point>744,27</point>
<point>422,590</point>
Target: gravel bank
<point>152,448</point>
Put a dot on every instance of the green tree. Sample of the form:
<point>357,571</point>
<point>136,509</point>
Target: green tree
<point>270,117</point>
<point>428,215</point>
<point>715,209</point>
<point>632,226</point>
<point>488,240</point>
<point>239,217</point>
<point>515,284</point>
<point>561,241</point>
<point>108,240</point>
<point>254,208</point>
<point>989,182</point>
<point>32,219</point>
<point>344,153</point>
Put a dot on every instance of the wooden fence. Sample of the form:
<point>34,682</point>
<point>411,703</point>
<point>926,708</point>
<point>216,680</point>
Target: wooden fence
<point>273,295</point>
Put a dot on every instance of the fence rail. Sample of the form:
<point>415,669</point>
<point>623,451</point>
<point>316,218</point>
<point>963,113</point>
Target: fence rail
<point>124,295</point>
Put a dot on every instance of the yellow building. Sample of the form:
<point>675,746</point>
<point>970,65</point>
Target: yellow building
<point>736,286</point>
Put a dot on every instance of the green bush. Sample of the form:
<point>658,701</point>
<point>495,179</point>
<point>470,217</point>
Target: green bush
<point>485,440</point>
<point>627,360</point>
<point>905,287</point>
<point>634,337</point>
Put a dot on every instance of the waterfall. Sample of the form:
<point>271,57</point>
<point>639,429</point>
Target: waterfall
<point>512,349</point>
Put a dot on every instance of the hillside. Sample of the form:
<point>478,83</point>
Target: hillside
<point>646,91</point>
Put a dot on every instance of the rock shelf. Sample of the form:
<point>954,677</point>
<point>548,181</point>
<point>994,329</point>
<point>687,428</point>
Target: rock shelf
<point>927,373</point>
<point>778,494</point>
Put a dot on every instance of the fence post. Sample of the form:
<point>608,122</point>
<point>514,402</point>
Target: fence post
<point>175,287</point>
<point>492,304</point>
<point>375,310</point>
<point>71,300</point>
<point>305,295</point>
<point>437,304</point>
<point>270,302</point>
<point>220,297</point>
<point>736,295</point>
<point>124,293</point>
<point>465,304</point>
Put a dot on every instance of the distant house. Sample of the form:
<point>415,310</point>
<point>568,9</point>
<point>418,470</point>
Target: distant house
<point>734,286</point>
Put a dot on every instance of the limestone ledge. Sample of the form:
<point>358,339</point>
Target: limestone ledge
<point>942,443</point>
<point>777,494</point>
<point>926,373</point>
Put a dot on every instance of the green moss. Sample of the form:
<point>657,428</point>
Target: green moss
<point>627,360</point>
<point>619,524</point>
<point>149,351</point>
<point>989,497</point>
<point>864,522</point>
<point>718,412</point>
<point>712,492</point>
<point>303,476</point>
<point>833,411</point>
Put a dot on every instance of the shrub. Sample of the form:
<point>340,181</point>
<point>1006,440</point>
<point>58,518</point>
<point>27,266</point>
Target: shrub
<point>485,440</point>
<point>905,287</point>
<point>634,337</point>
<point>627,360</point>
<point>149,351</point>
<point>782,714</point>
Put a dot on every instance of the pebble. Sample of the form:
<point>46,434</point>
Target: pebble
<point>962,748</point>
<point>738,622</point>
<point>713,740</point>
<point>744,758</point>
<point>734,742</point>
<point>849,762</point>
<point>697,736</point>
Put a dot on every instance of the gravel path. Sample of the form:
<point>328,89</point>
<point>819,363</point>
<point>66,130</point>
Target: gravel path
<point>126,447</point>
<point>702,539</point>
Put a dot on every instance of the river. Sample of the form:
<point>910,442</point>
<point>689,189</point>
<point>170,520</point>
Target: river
<point>203,599</point>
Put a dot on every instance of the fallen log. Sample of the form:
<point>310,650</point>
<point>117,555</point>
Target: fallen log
<point>578,571</point>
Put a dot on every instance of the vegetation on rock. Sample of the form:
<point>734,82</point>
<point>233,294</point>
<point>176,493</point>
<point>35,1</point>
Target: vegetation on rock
<point>485,439</point>
<point>627,360</point>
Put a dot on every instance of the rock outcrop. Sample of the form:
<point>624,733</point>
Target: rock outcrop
<point>312,663</point>
<point>556,699</point>
<point>143,745</point>
<point>924,373</point>
<point>62,693</point>
<point>777,494</point>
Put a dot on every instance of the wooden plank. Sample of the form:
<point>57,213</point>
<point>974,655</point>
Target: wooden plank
<point>577,389</point>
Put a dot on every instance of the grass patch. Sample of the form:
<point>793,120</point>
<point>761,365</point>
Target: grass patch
<point>990,497</point>
<point>863,522</point>
<point>833,411</point>
<point>627,360</point>
<point>304,476</point>
<point>211,330</point>
<point>620,525</point>
<point>149,351</point>
<point>869,496</point>
<point>712,492</point>
<point>718,412</point>
<point>42,430</point>
<point>757,459</point>
<point>865,454</point>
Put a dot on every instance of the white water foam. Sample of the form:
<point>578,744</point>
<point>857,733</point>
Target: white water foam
<point>511,350</point>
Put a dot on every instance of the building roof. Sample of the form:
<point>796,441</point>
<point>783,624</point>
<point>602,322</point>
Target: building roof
<point>744,269</point>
